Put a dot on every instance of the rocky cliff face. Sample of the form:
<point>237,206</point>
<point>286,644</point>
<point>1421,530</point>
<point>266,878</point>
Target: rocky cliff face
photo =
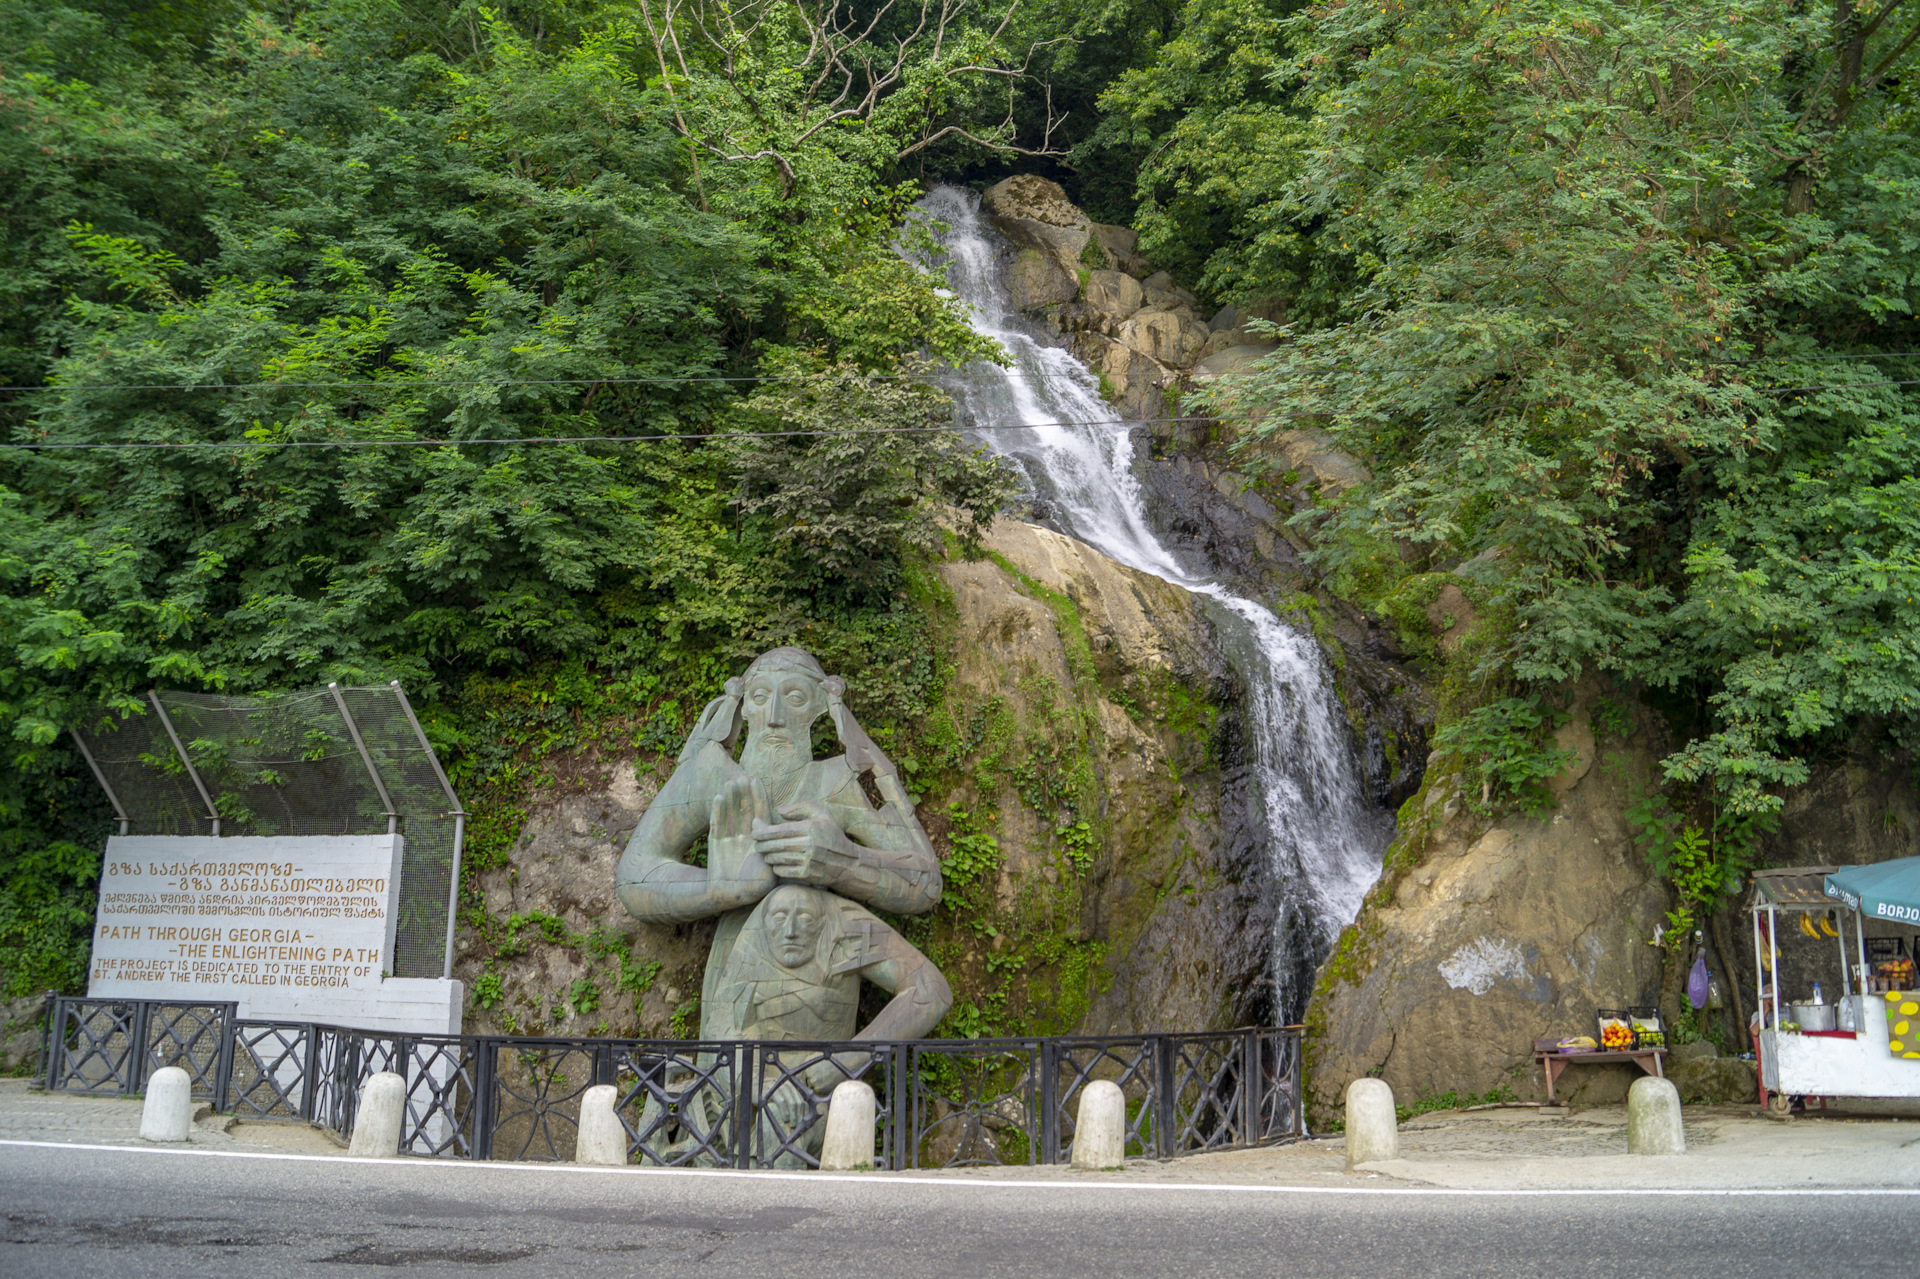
<point>1165,915</point>
<point>1107,880</point>
<point>1483,935</point>
<point>1132,325</point>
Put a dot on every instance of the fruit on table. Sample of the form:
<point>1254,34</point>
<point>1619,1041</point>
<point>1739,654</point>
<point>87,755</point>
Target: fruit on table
<point>1615,1037</point>
<point>1577,1044</point>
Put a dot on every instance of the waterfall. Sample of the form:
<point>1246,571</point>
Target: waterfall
<point>1324,842</point>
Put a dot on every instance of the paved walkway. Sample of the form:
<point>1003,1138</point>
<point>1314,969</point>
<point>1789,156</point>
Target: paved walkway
<point>30,1115</point>
<point>1510,1149</point>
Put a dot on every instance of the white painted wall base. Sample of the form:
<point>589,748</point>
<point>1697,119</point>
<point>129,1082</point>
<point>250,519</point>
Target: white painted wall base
<point>415,1005</point>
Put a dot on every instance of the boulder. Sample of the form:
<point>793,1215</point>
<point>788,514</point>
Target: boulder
<point>1030,198</point>
<point>1452,617</point>
<point>1135,382</point>
<point>1481,938</point>
<point>1121,244</point>
<point>1169,300</point>
<point>1314,454</point>
<point>1176,895</point>
<point>21,1021</point>
<point>1234,358</point>
<point>1219,340</point>
<point>1706,1078</point>
<point>1576,735</point>
<point>1112,297</point>
<point>1171,337</point>
<point>1036,214</point>
<point>1035,279</point>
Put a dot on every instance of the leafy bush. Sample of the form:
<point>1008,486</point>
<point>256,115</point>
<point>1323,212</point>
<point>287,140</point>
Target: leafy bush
<point>1502,745</point>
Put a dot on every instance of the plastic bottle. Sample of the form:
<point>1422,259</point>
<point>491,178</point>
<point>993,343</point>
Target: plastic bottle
<point>1818,998</point>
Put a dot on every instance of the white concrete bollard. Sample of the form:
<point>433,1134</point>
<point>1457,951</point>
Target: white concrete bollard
<point>376,1124</point>
<point>1373,1130</point>
<point>1100,1131</point>
<point>1653,1118</point>
<point>850,1128</point>
<point>602,1138</point>
<point>168,1113</point>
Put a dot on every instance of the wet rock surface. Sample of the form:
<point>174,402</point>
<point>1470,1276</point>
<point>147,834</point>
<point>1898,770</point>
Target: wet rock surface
<point>1176,896</point>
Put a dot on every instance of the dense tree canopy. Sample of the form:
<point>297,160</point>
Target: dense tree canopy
<point>466,345</point>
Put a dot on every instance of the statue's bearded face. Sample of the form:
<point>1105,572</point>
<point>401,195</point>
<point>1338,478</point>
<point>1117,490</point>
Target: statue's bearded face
<point>794,920</point>
<point>779,708</point>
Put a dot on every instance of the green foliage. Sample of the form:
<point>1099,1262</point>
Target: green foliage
<point>974,856</point>
<point>1503,745</point>
<point>1080,843</point>
<point>1615,346</point>
<point>340,223</point>
<point>1706,866</point>
<point>1453,1100</point>
<point>46,915</point>
<point>848,500</point>
<point>488,989</point>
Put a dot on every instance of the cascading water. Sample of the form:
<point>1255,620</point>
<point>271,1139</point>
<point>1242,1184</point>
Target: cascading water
<point>1323,840</point>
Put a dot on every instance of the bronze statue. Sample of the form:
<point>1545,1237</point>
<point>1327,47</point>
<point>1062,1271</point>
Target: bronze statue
<point>827,838</point>
<point>795,854</point>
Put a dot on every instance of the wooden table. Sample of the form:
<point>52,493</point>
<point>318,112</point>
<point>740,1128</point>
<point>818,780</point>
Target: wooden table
<point>1555,1062</point>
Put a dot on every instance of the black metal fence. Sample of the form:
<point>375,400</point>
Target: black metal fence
<point>942,1103</point>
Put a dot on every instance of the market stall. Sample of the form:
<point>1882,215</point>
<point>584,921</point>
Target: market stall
<point>1860,1035</point>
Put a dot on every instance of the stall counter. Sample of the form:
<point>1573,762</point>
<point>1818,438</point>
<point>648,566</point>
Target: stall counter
<point>1831,1066</point>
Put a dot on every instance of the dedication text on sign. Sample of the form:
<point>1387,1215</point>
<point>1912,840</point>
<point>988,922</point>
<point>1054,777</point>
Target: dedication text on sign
<point>273,923</point>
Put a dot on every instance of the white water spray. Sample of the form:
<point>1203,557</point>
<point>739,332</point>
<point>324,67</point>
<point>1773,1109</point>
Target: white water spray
<point>1324,842</point>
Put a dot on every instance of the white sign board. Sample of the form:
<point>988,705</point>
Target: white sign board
<point>283,925</point>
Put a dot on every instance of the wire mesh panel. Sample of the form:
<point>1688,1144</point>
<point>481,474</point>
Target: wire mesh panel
<point>293,764</point>
<point>976,1102</point>
<point>193,1037</point>
<point>144,772</point>
<point>270,1077</point>
<point>413,779</point>
<point>283,765</point>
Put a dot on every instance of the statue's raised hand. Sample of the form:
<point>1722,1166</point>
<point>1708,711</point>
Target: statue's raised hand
<point>734,863</point>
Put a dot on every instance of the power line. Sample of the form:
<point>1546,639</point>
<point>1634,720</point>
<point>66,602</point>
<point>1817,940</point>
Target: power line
<point>436,382</point>
<point>1108,423</point>
<point>689,379</point>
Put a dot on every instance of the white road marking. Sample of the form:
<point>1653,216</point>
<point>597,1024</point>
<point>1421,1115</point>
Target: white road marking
<point>895,1179</point>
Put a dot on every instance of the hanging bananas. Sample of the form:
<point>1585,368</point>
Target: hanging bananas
<point>1806,926</point>
<point>1827,925</point>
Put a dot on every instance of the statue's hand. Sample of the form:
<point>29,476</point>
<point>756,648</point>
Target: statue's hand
<point>734,863</point>
<point>809,847</point>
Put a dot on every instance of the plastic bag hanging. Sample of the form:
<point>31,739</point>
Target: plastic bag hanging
<point>1698,981</point>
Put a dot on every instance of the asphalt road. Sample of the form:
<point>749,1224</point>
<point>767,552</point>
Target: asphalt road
<point>73,1212</point>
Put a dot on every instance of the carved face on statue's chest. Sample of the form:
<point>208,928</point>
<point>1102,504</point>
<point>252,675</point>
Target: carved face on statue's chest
<point>782,973</point>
